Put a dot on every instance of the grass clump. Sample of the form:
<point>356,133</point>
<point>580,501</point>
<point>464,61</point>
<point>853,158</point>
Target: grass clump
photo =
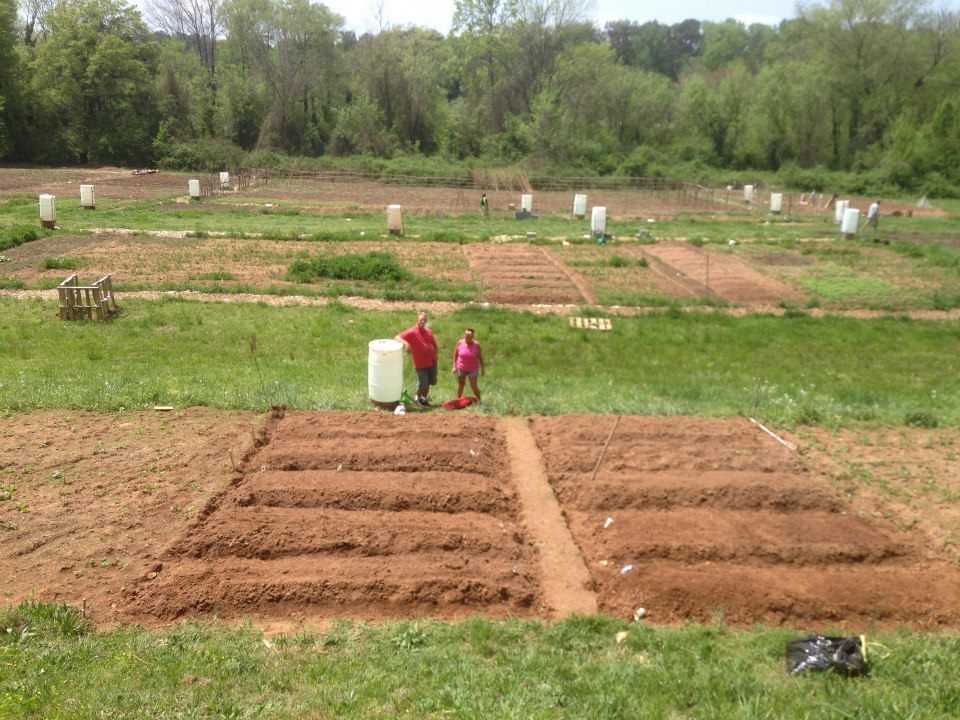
<point>19,234</point>
<point>379,266</point>
<point>921,419</point>
<point>61,263</point>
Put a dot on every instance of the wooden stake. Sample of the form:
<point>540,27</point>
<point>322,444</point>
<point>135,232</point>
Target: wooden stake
<point>604,452</point>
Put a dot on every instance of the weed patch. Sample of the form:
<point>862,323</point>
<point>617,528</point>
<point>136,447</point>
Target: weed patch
<point>378,266</point>
<point>61,263</point>
<point>19,234</point>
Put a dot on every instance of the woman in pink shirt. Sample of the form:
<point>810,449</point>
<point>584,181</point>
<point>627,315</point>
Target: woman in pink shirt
<point>467,363</point>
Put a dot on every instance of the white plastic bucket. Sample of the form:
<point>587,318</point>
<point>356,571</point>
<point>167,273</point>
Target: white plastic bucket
<point>225,180</point>
<point>48,209</point>
<point>394,219</point>
<point>748,193</point>
<point>526,203</point>
<point>580,206</point>
<point>839,209</point>
<point>598,220</point>
<point>86,196</point>
<point>851,221</point>
<point>385,370</point>
<point>194,188</point>
<point>776,202</point>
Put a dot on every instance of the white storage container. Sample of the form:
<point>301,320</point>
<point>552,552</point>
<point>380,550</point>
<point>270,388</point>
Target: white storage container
<point>526,203</point>
<point>385,370</point>
<point>48,211</point>
<point>394,220</point>
<point>87,200</point>
<point>851,221</point>
<point>580,206</point>
<point>194,189</point>
<point>598,221</point>
<point>776,203</point>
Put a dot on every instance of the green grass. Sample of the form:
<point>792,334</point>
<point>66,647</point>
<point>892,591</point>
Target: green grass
<point>827,370</point>
<point>53,666</point>
<point>61,263</point>
<point>836,283</point>
<point>380,266</point>
<point>17,235</point>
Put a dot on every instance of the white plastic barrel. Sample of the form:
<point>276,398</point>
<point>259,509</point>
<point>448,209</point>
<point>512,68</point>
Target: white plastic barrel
<point>194,188</point>
<point>385,370</point>
<point>839,209</point>
<point>776,202</point>
<point>526,203</point>
<point>394,220</point>
<point>598,220</point>
<point>48,210</point>
<point>748,193</point>
<point>851,221</point>
<point>580,206</point>
<point>86,197</point>
<point>225,181</point>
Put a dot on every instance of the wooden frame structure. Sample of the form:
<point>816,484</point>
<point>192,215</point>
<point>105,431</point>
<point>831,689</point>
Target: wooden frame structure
<point>94,302</point>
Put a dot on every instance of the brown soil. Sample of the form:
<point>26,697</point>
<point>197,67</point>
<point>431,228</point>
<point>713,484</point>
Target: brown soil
<point>521,273</point>
<point>908,475</point>
<point>720,522</point>
<point>335,198</point>
<point>109,182</point>
<point>150,259</point>
<point>707,273</point>
<point>371,515</point>
<point>98,495</point>
<point>356,514</point>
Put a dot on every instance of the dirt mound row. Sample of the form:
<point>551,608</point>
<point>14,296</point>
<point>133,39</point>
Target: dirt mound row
<point>697,519</point>
<point>360,515</point>
<point>520,273</point>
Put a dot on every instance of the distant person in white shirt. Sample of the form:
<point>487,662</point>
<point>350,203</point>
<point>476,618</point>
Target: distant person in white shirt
<point>873,216</point>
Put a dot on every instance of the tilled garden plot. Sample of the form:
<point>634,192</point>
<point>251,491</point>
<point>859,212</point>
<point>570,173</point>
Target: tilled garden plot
<point>356,514</point>
<point>702,273</point>
<point>707,520</point>
<point>521,274</point>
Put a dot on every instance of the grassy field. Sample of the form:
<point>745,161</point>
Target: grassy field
<point>800,369</point>
<point>53,666</point>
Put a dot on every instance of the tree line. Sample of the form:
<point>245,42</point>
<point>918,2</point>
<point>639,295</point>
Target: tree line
<point>869,87</point>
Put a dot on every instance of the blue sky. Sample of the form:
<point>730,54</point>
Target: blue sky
<point>360,14</point>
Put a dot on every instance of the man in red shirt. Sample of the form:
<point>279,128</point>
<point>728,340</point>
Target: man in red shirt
<point>422,346</point>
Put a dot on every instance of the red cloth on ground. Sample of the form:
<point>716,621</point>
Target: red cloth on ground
<point>459,403</point>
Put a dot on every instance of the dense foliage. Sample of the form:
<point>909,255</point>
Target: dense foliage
<point>862,86</point>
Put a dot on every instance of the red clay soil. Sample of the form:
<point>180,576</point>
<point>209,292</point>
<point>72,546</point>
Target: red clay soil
<point>364,515</point>
<point>714,520</point>
<point>521,273</point>
<point>98,495</point>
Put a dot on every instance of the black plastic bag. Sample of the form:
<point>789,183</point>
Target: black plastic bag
<point>846,655</point>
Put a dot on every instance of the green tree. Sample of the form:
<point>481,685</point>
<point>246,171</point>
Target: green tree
<point>9,76</point>
<point>402,72</point>
<point>91,85</point>
<point>291,46</point>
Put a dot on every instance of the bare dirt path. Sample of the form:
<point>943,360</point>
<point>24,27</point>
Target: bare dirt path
<point>441,307</point>
<point>566,582</point>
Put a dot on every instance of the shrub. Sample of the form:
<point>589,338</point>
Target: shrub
<point>921,418</point>
<point>360,266</point>
<point>205,155</point>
